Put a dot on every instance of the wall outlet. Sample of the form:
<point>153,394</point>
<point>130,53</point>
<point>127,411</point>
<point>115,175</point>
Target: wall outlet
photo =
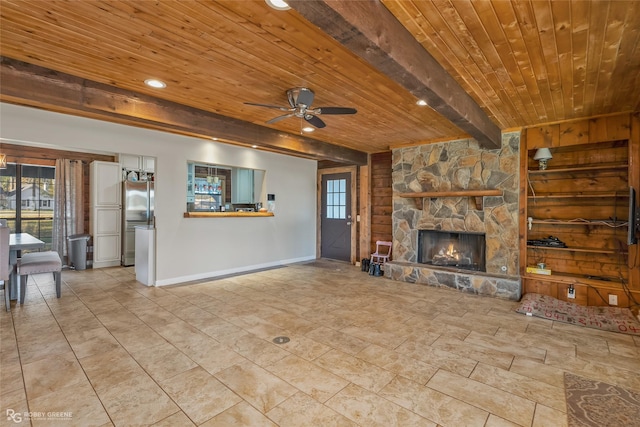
<point>571,292</point>
<point>613,299</point>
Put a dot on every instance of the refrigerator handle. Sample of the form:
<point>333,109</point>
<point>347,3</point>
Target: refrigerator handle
<point>148,203</point>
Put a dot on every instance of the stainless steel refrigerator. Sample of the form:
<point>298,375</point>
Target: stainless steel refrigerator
<point>137,210</point>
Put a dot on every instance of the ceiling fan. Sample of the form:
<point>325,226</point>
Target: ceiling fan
<point>300,100</point>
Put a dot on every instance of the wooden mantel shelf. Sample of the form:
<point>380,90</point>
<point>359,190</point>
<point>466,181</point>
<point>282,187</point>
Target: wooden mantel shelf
<point>476,194</point>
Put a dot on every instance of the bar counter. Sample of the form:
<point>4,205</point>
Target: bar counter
<point>226,214</point>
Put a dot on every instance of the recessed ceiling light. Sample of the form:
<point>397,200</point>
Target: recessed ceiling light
<point>214,138</point>
<point>421,102</point>
<point>155,83</point>
<point>254,146</point>
<point>278,4</point>
<point>308,129</point>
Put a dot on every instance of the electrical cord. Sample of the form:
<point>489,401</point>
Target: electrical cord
<point>612,223</point>
<point>533,192</point>
<point>623,281</point>
<point>625,289</point>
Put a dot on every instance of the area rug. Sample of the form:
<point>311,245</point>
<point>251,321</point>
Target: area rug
<point>596,404</point>
<point>614,319</point>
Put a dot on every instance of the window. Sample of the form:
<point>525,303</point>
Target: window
<point>28,207</point>
<point>336,198</point>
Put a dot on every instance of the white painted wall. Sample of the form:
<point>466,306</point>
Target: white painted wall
<point>192,248</point>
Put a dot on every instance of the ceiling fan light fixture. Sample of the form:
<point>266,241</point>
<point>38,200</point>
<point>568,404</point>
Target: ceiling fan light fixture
<point>308,129</point>
<point>155,83</point>
<point>300,100</point>
<point>278,4</point>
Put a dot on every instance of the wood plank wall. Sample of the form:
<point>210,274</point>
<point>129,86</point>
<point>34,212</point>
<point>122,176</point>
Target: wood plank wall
<point>381,198</point>
<point>47,157</point>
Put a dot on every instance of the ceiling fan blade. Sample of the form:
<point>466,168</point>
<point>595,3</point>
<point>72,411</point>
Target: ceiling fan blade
<point>335,110</point>
<point>305,96</point>
<point>277,119</point>
<point>315,121</point>
<point>268,106</point>
<point>291,97</point>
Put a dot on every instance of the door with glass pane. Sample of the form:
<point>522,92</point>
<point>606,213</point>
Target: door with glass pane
<point>336,217</point>
<point>27,195</point>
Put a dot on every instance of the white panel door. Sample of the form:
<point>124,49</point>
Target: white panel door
<point>105,184</point>
<point>149,164</point>
<point>108,221</point>
<point>130,162</point>
<point>106,251</point>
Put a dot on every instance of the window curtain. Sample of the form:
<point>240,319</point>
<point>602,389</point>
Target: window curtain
<point>68,216</point>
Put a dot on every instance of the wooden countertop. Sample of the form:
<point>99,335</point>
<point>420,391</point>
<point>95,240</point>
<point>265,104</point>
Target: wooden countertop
<point>226,214</point>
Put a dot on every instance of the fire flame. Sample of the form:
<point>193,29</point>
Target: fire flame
<point>452,252</point>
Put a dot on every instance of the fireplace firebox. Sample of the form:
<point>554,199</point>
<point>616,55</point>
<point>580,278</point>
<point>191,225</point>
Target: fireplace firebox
<point>452,249</point>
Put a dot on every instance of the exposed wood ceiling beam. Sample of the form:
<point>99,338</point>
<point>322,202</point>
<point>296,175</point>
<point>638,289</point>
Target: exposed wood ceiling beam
<point>30,85</point>
<point>369,30</point>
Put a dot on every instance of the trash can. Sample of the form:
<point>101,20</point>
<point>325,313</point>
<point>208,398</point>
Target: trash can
<point>78,250</point>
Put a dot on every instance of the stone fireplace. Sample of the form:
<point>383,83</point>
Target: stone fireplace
<point>448,173</point>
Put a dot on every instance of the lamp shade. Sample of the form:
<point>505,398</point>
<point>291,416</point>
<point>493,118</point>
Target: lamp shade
<point>543,154</point>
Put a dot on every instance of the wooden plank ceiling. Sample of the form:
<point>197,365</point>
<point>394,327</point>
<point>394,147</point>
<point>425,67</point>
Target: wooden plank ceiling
<point>522,62</point>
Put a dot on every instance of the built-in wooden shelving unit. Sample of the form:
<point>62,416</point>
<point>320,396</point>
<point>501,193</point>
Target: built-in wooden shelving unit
<point>582,199</point>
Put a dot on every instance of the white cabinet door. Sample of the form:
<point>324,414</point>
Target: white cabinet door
<point>149,164</point>
<point>108,221</point>
<point>106,251</point>
<point>105,184</point>
<point>106,236</point>
<point>137,163</point>
<point>130,162</point>
<point>106,215</point>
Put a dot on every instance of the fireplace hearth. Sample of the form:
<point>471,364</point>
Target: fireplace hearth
<point>452,249</point>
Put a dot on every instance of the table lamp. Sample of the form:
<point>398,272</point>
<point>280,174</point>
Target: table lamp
<point>543,155</point>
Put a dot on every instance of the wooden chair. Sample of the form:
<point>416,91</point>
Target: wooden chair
<point>382,253</point>
<point>5,267</point>
<point>39,262</point>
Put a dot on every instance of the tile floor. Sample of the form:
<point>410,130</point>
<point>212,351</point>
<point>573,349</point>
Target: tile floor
<point>363,351</point>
